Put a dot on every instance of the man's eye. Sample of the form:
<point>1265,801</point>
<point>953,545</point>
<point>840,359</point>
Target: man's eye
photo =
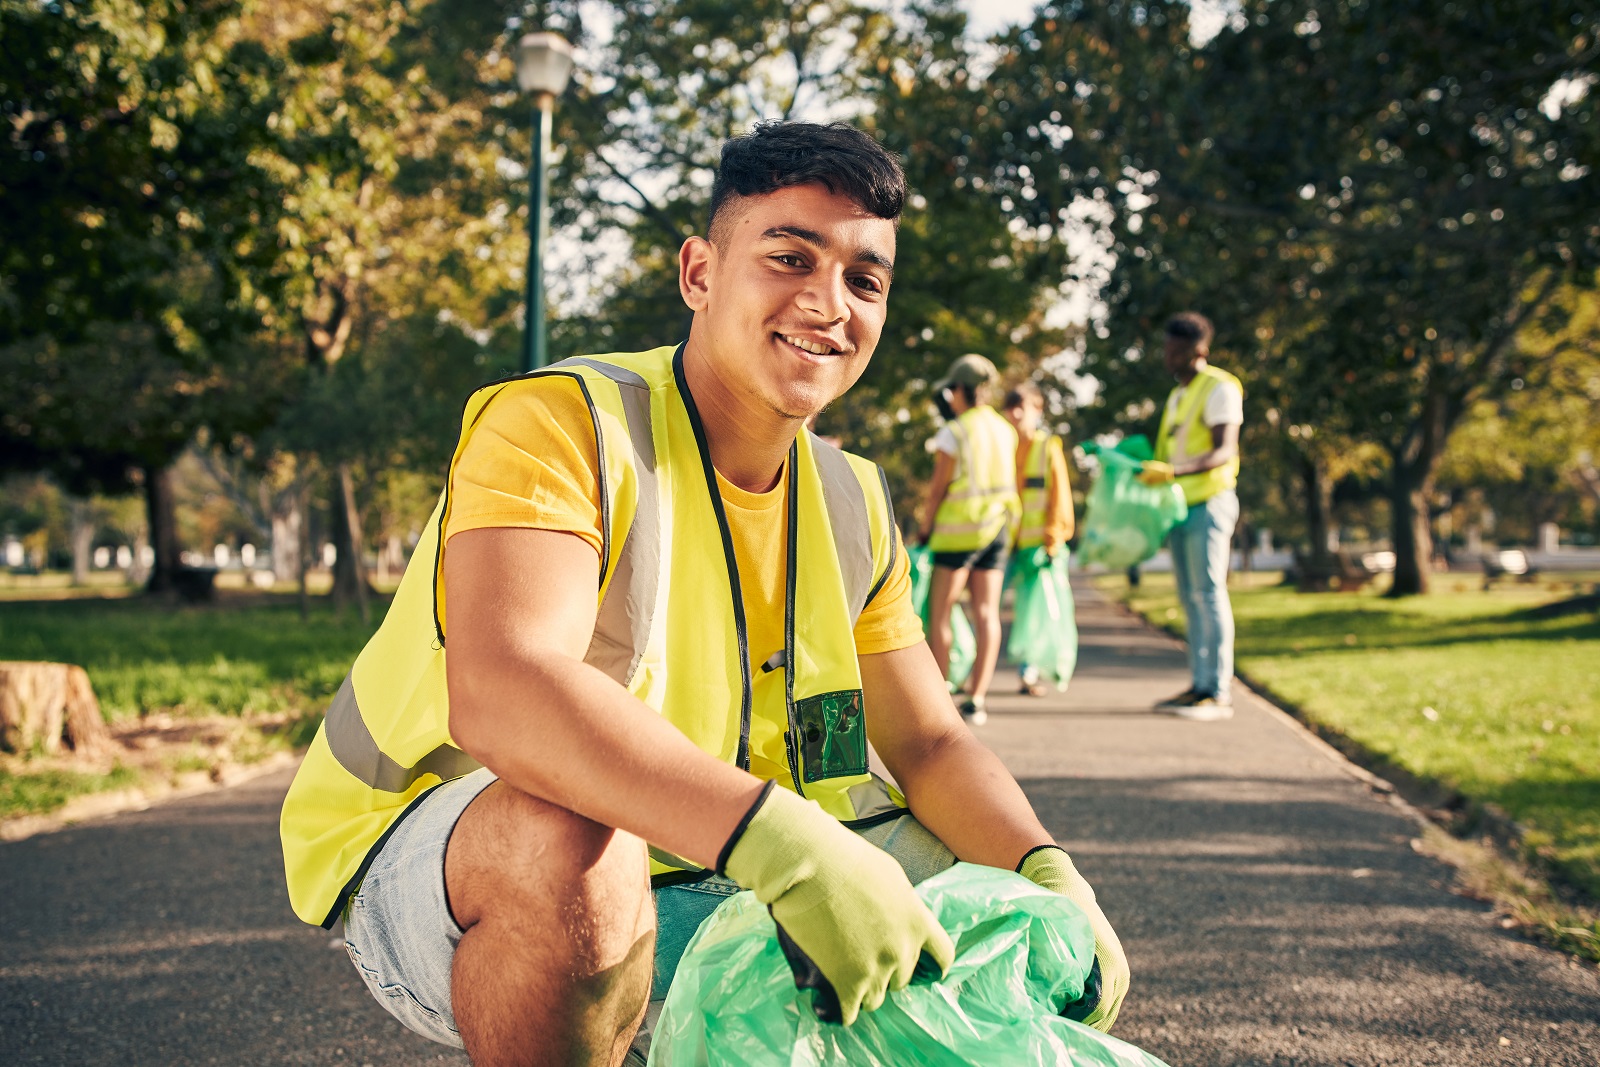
<point>867,283</point>
<point>789,259</point>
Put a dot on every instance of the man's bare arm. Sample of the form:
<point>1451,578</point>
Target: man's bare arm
<point>1224,446</point>
<point>956,787</point>
<point>520,609</point>
<point>944,470</point>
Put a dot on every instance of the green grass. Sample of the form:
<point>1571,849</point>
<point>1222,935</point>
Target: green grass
<point>1459,688</point>
<point>144,657</point>
<point>44,791</point>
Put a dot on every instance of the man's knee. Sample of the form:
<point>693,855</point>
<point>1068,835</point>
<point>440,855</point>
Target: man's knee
<point>515,853</point>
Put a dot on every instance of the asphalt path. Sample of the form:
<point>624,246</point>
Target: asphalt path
<point>1271,904</point>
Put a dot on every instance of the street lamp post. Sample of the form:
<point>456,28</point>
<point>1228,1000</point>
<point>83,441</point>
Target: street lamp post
<point>544,63</point>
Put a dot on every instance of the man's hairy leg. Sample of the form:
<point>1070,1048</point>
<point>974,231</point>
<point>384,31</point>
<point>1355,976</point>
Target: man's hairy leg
<point>556,961</point>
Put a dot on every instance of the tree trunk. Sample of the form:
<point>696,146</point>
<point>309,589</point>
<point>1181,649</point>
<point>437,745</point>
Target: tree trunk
<point>349,570</point>
<point>82,541</point>
<point>1319,506</point>
<point>42,704</point>
<point>1410,531</point>
<point>161,518</point>
<point>287,526</point>
<point>302,496</point>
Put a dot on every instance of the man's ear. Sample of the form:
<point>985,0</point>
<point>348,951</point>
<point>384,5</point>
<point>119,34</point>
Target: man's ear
<point>696,264</point>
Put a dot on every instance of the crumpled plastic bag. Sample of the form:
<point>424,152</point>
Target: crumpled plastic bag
<point>1044,628</point>
<point>1022,954</point>
<point>1126,521</point>
<point>963,642</point>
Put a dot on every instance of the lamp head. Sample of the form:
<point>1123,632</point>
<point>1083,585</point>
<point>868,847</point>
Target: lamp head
<point>544,63</point>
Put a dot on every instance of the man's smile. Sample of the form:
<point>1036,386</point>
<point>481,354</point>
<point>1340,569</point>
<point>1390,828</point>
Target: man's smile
<point>808,345</point>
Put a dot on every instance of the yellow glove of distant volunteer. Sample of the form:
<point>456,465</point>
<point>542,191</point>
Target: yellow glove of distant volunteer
<point>845,902</point>
<point>1155,472</point>
<point>1049,867</point>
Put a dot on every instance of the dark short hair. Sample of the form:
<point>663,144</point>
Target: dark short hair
<point>776,155</point>
<point>1191,326</point>
<point>1021,393</point>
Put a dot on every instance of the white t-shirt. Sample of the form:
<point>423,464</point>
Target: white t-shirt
<point>1224,407</point>
<point>945,441</point>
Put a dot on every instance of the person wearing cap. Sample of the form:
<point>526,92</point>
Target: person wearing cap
<point>1045,488</point>
<point>1198,446</point>
<point>969,518</point>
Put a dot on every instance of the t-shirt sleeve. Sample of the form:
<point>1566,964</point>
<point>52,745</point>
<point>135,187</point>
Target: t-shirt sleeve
<point>1225,406</point>
<point>945,441</point>
<point>888,622</point>
<point>530,463</point>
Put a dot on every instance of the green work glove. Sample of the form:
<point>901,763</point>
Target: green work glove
<point>845,902</point>
<point>1155,472</point>
<point>1049,867</point>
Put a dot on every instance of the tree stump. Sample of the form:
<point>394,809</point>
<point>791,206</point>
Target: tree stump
<point>44,704</point>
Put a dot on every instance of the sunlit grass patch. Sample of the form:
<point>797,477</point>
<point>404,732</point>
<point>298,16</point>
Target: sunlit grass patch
<point>1462,687</point>
<point>143,657</point>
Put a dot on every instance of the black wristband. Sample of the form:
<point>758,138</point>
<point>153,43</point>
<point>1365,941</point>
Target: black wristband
<point>738,831</point>
<point>1031,851</point>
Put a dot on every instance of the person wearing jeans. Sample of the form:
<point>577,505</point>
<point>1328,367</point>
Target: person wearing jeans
<point>1200,547</point>
<point>1198,447</point>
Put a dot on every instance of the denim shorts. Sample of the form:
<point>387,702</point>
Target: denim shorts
<point>402,938</point>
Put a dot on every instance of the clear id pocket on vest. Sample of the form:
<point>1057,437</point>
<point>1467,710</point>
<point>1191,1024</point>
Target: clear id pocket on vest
<point>833,735</point>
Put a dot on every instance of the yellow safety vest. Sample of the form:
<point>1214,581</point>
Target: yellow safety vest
<point>1184,418</point>
<point>1035,491</point>
<point>981,501</point>
<point>670,628</point>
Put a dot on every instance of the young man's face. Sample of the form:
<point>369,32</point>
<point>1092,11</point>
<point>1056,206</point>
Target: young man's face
<point>1026,416</point>
<point>793,295</point>
<point>1180,354</point>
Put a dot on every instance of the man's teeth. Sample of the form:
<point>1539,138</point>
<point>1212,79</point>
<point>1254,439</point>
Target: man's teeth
<point>809,346</point>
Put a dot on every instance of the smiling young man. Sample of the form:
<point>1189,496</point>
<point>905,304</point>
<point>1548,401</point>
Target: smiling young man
<point>673,622</point>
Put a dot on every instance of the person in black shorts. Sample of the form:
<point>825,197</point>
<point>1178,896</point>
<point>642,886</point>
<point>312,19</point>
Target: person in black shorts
<point>970,518</point>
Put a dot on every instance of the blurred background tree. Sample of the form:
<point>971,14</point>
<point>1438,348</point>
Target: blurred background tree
<point>288,238</point>
<point>127,314</point>
<point>1388,181</point>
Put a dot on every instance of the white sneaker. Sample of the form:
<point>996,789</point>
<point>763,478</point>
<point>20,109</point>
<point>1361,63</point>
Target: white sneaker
<point>973,712</point>
<point>1205,709</point>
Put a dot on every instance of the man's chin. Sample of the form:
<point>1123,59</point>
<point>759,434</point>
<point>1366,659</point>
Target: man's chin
<point>800,404</point>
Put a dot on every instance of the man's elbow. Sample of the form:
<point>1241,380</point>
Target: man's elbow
<point>479,689</point>
<point>471,712</point>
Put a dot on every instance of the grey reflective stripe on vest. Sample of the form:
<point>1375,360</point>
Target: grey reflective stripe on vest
<point>622,624</point>
<point>871,802</point>
<point>357,751</point>
<point>847,513</point>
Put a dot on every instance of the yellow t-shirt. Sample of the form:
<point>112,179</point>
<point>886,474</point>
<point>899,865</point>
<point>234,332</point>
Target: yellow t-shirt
<point>531,463</point>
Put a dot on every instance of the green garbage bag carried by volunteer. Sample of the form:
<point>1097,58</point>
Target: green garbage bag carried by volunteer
<point>1126,521</point>
<point>1022,956</point>
<point>1044,627</point>
<point>963,642</point>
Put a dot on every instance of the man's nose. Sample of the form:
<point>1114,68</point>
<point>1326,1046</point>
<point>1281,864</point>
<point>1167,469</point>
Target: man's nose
<point>827,296</point>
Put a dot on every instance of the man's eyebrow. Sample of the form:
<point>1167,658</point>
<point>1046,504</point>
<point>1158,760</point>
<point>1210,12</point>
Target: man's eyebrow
<point>799,233</point>
<point>812,237</point>
<point>867,255</point>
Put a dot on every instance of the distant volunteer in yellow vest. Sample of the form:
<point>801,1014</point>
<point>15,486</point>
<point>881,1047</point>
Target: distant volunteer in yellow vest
<point>635,663</point>
<point>1198,445</point>
<point>1043,481</point>
<point>1046,491</point>
<point>970,518</point>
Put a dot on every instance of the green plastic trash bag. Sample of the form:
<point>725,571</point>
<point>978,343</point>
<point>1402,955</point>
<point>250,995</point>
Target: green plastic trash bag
<point>1022,954</point>
<point>1126,521</point>
<point>963,642</point>
<point>1044,627</point>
